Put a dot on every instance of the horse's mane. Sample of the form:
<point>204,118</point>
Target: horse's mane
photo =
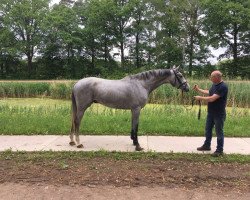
<point>149,74</point>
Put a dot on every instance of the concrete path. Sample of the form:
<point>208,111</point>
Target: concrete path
<point>119,143</point>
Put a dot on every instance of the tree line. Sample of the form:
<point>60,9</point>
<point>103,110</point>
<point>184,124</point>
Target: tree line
<point>73,39</point>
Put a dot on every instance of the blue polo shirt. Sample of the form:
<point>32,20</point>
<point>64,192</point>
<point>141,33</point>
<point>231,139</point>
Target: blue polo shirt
<point>219,105</point>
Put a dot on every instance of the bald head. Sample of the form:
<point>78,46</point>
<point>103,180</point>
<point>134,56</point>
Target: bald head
<point>216,73</point>
<point>216,76</point>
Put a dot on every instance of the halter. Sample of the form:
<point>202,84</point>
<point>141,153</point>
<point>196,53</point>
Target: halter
<point>180,85</point>
<point>179,80</point>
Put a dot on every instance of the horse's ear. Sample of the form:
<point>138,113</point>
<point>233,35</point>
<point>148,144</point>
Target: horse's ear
<point>176,68</point>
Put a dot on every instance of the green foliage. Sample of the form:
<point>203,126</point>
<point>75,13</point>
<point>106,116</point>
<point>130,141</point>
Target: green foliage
<point>243,70</point>
<point>227,25</point>
<point>70,40</point>
<point>23,19</point>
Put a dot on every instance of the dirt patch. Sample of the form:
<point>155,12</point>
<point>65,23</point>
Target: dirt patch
<point>99,172</point>
<point>10,191</point>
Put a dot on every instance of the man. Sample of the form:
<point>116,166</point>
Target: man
<point>216,111</point>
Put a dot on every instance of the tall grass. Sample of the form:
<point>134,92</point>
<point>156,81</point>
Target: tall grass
<point>238,96</point>
<point>24,89</point>
<point>239,91</point>
<point>53,89</point>
<point>46,116</point>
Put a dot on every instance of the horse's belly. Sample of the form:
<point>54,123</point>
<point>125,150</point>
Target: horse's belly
<point>117,106</point>
<point>119,103</point>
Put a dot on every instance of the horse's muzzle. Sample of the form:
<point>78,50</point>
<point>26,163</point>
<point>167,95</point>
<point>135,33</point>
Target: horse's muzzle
<point>185,87</point>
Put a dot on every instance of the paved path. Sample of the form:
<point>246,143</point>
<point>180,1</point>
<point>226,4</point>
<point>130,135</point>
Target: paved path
<point>119,143</point>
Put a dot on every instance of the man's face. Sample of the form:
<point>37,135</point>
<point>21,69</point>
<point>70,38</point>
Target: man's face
<point>214,78</point>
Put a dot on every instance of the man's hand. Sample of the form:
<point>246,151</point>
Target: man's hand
<point>196,87</point>
<point>198,98</point>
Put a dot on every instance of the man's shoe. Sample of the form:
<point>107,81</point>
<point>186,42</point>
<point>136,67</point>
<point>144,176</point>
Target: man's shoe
<point>217,154</point>
<point>203,148</point>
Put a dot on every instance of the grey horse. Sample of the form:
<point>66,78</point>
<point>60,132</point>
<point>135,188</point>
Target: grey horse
<point>131,93</point>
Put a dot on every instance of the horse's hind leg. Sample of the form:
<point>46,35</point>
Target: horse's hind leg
<point>78,119</point>
<point>73,127</point>
<point>72,142</point>
<point>79,115</point>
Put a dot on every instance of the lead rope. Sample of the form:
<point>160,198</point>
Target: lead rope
<point>193,99</point>
<point>199,112</point>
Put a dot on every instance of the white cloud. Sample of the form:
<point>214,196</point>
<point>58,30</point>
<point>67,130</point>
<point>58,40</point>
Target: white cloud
<point>216,53</point>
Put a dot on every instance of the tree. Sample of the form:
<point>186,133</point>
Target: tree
<point>8,54</point>
<point>137,30</point>
<point>227,25</point>
<point>167,23</point>
<point>195,49</point>
<point>121,25</point>
<point>61,35</point>
<point>96,17</point>
<point>23,18</point>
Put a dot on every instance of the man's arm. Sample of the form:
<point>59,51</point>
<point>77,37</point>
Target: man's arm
<point>212,98</point>
<point>196,88</point>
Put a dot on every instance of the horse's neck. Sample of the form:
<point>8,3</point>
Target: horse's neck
<point>153,83</point>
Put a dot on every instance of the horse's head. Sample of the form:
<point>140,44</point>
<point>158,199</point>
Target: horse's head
<point>179,81</point>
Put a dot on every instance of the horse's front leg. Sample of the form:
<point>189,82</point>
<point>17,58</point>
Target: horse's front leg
<point>134,130</point>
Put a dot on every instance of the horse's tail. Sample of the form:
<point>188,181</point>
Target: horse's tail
<point>74,111</point>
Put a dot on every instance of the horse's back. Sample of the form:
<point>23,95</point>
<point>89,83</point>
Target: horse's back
<point>101,84</point>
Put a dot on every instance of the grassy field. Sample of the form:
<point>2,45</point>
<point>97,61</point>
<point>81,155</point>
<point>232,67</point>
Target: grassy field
<point>49,116</point>
<point>239,91</point>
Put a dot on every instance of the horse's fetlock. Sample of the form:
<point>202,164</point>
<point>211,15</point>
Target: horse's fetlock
<point>135,142</point>
<point>72,143</point>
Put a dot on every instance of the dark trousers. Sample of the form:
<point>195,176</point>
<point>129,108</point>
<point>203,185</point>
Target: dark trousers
<point>217,121</point>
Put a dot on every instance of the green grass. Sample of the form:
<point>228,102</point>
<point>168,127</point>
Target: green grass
<point>63,156</point>
<point>49,116</point>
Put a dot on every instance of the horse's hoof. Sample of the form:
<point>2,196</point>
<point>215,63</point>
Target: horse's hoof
<point>138,148</point>
<point>79,146</point>
<point>72,143</point>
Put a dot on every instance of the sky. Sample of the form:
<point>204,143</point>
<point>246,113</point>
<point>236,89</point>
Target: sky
<point>216,53</point>
<point>55,1</point>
